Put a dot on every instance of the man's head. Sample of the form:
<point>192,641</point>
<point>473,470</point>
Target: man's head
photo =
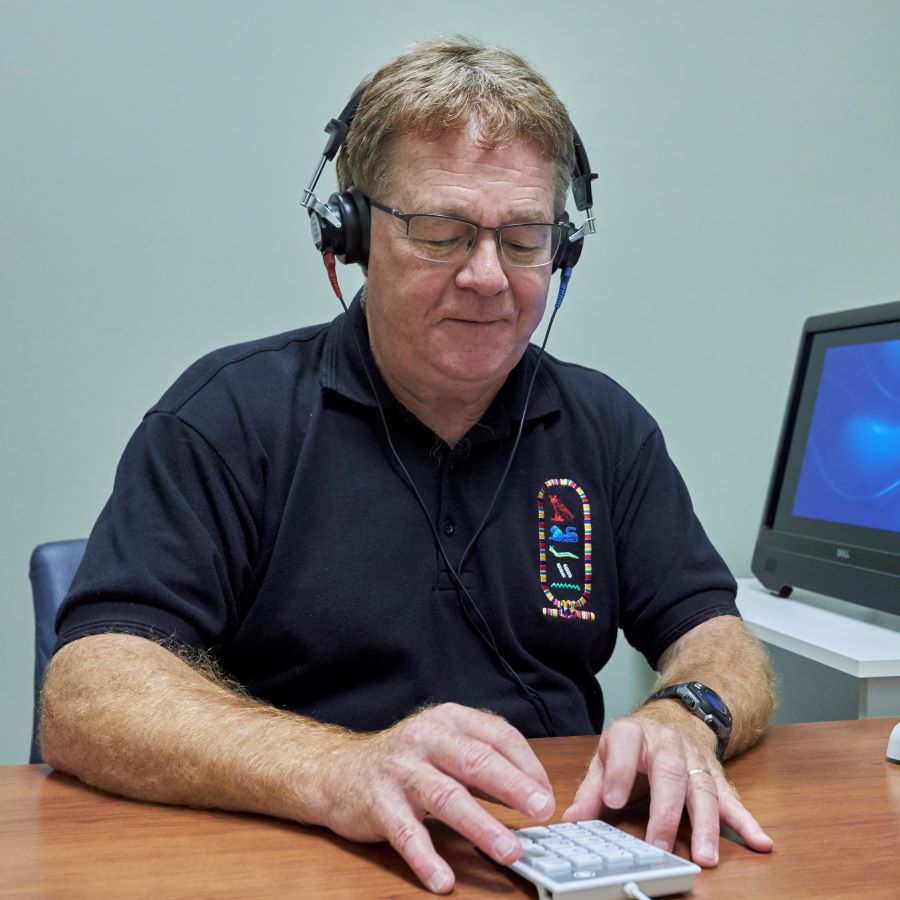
<point>453,84</point>
<point>451,130</point>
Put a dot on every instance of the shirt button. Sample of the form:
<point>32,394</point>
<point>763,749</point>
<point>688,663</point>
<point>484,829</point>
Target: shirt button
<point>448,526</point>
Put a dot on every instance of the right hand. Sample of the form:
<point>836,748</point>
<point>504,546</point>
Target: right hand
<point>381,786</point>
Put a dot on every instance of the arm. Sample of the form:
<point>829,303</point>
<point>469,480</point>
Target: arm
<point>662,742</point>
<point>127,715</point>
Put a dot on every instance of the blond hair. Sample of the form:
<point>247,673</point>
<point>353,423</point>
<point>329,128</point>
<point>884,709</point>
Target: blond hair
<point>449,84</point>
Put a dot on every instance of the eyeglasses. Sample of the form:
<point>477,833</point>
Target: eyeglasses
<point>446,239</point>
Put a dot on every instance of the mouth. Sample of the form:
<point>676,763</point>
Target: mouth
<point>461,320</point>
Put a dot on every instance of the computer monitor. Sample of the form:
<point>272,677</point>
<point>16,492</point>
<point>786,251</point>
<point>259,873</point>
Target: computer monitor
<point>831,522</point>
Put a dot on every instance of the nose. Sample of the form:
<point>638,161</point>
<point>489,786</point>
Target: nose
<point>482,270</point>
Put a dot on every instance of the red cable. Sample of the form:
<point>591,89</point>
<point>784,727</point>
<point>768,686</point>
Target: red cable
<point>328,259</point>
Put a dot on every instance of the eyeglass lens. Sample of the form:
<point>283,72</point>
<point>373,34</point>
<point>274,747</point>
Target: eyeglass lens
<point>444,239</point>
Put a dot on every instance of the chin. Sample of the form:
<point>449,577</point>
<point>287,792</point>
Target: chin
<point>474,367</point>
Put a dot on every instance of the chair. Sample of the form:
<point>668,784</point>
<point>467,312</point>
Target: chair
<point>51,571</point>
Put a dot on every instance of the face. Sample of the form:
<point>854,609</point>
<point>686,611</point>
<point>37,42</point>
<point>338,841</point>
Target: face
<point>442,328</point>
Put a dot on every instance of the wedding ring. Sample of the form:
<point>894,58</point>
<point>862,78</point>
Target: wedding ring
<point>698,772</point>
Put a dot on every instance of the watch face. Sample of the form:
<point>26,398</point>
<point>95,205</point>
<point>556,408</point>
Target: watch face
<point>714,701</point>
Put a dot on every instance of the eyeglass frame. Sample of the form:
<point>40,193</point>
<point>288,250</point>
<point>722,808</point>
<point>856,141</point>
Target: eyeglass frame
<point>565,232</point>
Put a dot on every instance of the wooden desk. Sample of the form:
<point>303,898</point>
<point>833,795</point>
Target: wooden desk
<point>824,791</point>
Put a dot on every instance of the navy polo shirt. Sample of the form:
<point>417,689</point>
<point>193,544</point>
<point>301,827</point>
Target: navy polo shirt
<point>258,514</point>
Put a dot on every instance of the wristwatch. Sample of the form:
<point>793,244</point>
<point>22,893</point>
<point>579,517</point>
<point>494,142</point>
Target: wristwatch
<point>705,704</point>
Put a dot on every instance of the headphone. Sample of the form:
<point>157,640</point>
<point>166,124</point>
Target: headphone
<point>342,225</point>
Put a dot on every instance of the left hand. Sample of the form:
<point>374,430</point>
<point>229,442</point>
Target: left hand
<point>641,745</point>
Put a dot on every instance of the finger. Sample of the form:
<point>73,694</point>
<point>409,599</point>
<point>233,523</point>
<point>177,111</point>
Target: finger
<point>447,800</point>
<point>480,766</point>
<point>737,817</point>
<point>668,787</point>
<point>702,803</point>
<point>469,745</point>
<point>505,739</point>
<point>588,802</point>
<point>409,837</point>
<point>623,747</point>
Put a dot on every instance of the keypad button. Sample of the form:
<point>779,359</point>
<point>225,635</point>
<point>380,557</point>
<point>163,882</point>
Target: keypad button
<point>535,831</point>
<point>551,866</point>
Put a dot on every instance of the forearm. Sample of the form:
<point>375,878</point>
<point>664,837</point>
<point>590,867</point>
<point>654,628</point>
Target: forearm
<point>725,655</point>
<point>128,716</point>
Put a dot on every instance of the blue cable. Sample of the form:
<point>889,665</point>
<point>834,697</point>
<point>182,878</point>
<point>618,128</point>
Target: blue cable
<point>563,284</point>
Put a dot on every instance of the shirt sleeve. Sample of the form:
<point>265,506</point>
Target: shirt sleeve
<point>172,549</point>
<point>670,576</point>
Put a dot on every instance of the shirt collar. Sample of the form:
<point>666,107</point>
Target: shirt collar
<point>345,364</point>
<point>348,361</point>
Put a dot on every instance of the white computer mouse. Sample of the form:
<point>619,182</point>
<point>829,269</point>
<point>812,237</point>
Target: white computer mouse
<point>893,748</point>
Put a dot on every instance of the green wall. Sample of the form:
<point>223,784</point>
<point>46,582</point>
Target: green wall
<point>153,153</point>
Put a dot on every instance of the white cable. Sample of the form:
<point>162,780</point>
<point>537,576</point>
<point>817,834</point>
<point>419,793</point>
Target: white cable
<point>634,891</point>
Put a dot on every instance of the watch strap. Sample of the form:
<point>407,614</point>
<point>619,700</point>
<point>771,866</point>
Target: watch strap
<point>691,695</point>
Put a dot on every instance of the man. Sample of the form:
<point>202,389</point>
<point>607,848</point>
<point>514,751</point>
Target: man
<point>266,621</point>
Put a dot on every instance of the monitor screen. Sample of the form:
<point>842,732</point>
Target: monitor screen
<point>832,518</point>
<point>850,469</point>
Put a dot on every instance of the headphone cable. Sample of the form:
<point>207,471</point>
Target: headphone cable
<point>481,627</point>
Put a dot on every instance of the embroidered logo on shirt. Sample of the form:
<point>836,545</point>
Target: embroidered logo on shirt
<point>561,512</point>
<point>555,501</point>
<point>564,554</point>
<point>570,535</point>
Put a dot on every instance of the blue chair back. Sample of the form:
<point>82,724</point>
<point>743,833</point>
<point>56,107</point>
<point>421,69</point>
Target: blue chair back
<point>52,569</point>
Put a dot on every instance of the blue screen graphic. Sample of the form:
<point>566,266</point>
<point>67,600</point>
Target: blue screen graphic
<point>851,465</point>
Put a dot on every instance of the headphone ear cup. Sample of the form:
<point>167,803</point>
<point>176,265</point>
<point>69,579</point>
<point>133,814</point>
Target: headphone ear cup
<point>322,232</point>
<point>568,252</point>
<point>350,242</point>
<point>352,208</point>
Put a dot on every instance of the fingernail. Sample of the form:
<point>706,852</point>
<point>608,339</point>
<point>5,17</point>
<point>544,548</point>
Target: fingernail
<point>615,798</point>
<point>438,880</point>
<point>709,851</point>
<point>505,845</point>
<point>662,845</point>
<point>538,804</point>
